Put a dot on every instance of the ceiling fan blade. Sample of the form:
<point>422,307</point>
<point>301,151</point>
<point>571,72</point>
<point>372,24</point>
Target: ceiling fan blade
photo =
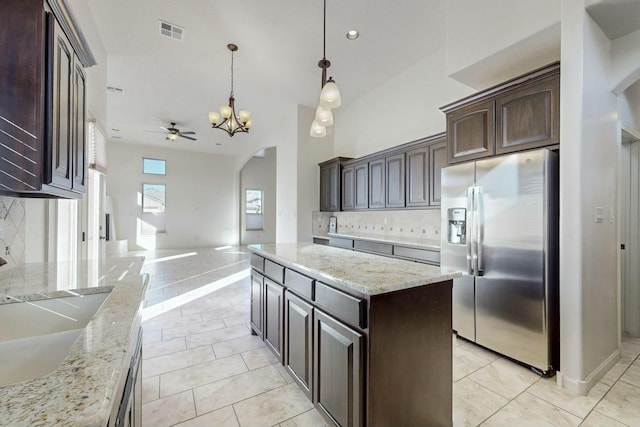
<point>187,133</point>
<point>164,129</point>
<point>187,137</point>
<point>154,131</point>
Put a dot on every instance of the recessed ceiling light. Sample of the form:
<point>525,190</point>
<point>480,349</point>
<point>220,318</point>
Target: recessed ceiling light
<point>353,34</point>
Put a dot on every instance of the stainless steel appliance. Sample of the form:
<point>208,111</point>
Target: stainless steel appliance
<point>500,227</point>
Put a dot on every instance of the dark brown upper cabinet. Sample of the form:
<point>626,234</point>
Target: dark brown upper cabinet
<point>330,184</point>
<point>471,131</point>
<point>43,108</point>
<point>529,117</point>
<point>437,161</point>
<point>377,180</point>
<point>418,177</point>
<point>395,181</point>
<point>355,186</point>
<point>520,114</point>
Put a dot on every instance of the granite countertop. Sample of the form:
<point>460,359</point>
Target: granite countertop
<point>357,271</point>
<point>82,390</point>
<point>414,242</point>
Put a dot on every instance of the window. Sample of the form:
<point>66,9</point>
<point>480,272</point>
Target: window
<point>254,202</point>
<point>153,198</point>
<point>253,209</point>
<point>154,166</point>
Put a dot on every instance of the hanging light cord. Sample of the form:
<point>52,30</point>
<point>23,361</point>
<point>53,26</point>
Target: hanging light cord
<point>231,95</point>
<point>324,32</point>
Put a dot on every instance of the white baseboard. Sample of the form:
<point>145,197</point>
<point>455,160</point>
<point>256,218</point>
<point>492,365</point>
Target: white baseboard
<point>582,387</point>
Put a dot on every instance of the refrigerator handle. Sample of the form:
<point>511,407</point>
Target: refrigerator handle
<point>479,226</point>
<point>469,231</point>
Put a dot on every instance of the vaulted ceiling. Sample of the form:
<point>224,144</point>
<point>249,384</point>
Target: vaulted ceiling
<point>275,68</point>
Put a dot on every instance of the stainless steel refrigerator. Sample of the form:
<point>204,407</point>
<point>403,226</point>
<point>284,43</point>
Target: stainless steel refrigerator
<point>500,227</point>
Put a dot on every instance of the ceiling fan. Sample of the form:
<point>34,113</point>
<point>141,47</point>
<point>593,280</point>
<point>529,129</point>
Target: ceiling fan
<point>173,133</point>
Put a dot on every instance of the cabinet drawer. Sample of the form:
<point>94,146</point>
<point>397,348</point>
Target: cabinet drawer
<point>301,285</point>
<point>347,308</point>
<point>423,255</point>
<point>274,271</point>
<point>341,242</point>
<point>375,247</point>
<point>257,262</point>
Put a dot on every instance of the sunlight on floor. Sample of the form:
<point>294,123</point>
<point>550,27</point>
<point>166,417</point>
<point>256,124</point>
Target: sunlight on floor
<point>187,297</point>
<point>169,258</point>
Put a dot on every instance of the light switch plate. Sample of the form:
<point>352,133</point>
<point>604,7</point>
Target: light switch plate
<point>599,214</point>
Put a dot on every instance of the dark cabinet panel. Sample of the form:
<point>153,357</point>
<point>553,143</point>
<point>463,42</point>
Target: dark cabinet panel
<point>256,302</point>
<point>361,177</point>
<point>61,119</point>
<point>79,148</point>
<point>338,371</point>
<point>348,188</point>
<point>377,179</point>
<point>43,108</point>
<point>395,181</point>
<point>437,161</point>
<point>471,132</point>
<point>529,117</point>
<point>418,177</point>
<point>273,300</point>
<point>330,184</point>
<point>298,350</point>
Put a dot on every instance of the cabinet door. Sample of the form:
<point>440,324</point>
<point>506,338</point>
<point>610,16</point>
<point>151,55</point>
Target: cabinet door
<point>338,371</point>
<point>79,127</point>
<point>22,36</point>
<point>471,132</point>
<point>361,185</point>
<point>395,181</point>
<point>298,350</point>
<point>437,160</point>
<point>529,117</point>
<point>61,126</point>
<point>418,177</point>
<point>273,296</point>
<point>377,191</point>
<point>348,194</point>
<point>330,188</point>
<point>256,302</point>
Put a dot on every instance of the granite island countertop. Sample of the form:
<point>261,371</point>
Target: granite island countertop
<point>82,390</point>
<point>361,272</point>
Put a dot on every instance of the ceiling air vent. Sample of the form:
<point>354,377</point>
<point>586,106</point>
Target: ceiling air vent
<point>172,31</point>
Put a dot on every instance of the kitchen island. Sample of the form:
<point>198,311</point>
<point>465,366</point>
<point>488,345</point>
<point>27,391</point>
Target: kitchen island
<point>86,388</point>
<point>368,338</point>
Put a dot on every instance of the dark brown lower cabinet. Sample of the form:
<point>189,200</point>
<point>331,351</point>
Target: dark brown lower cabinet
<point>256,302</point>
<point>338,371</point>
<point>273,296</point>
<point>298,343</point>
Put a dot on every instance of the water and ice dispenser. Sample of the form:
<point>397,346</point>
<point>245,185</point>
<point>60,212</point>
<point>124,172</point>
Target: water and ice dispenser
<point>457,229</point>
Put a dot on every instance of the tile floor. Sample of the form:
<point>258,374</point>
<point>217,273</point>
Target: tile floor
<point>202,367</point>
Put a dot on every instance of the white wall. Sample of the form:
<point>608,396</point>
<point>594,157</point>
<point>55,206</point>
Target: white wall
<point>311,152</point>
<point>491,41</point>
<point>201,196</point>
<point>403,109</point>
<point>588,250</point>
<point>259,173</point>
<point>629,107</point>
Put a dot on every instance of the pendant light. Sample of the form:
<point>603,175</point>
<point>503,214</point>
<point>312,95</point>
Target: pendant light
<point>329,95</point>
<point>231,123</point>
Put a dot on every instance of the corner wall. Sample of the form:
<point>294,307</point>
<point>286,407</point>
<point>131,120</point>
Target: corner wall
<point>259,173</point>
<point>589,333</point>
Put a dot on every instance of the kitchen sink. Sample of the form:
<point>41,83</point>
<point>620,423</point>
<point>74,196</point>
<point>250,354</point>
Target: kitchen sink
<point>35,336</point>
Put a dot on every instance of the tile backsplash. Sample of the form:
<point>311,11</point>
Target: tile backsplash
<point>406,223</point>
<point>12,231</point>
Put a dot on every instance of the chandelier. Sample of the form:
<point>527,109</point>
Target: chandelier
<point>231,123</point>
<point>329,95</point>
